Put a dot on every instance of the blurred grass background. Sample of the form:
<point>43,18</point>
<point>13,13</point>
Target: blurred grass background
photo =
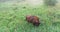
<point>12,18</point>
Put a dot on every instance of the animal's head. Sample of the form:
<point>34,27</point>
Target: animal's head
<point>36,23</point>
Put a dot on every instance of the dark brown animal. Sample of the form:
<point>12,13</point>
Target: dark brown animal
<point>33,19</point>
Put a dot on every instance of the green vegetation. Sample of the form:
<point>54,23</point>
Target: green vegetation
<point>50,2</point>
<point>12,18</point>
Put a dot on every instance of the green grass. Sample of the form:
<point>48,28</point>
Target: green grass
<point>12,18</point>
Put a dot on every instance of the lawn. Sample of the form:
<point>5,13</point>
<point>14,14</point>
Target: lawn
<point>12,18</point>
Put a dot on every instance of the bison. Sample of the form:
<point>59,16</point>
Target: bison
<point>33,19</point>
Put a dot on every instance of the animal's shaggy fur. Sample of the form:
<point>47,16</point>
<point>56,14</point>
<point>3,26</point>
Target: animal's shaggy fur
<point>33,19</point>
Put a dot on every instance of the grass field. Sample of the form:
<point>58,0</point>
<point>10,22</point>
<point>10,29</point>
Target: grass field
<point>12,18</point>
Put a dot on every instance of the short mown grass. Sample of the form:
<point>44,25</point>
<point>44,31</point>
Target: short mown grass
<point>12,18</point>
